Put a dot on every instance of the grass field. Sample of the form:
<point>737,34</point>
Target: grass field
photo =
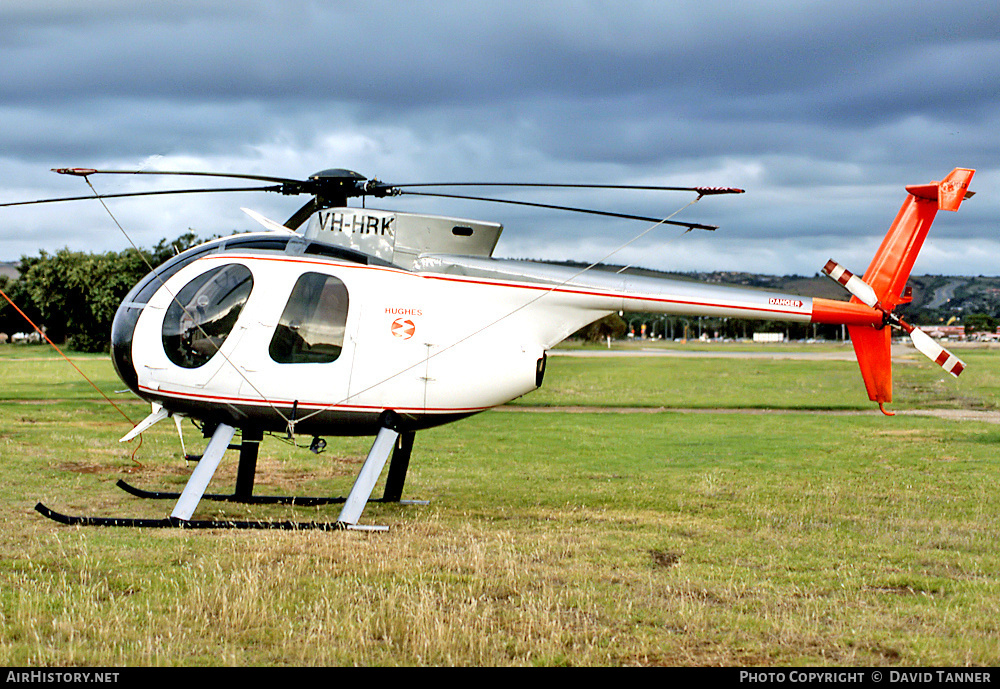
<point>648,510</point>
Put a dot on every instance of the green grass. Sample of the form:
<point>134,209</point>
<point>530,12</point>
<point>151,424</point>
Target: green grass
<point>787,536</point>
<point>40,373</point>
<point>761,383</point>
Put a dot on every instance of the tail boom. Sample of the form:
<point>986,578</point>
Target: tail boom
<point>832,312</point>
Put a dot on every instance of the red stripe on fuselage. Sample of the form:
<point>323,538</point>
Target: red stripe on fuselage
<point>260,402</point>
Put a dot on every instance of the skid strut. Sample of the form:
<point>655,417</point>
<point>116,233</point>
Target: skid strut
<point>245,475</point>
<point>398,465</point>
<point>389,442</point>
<point>187,503</point>
<point>384,443</point>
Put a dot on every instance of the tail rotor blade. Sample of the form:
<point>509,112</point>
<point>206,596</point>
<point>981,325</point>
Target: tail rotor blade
<point>926,345</point>
<point>851,282</point>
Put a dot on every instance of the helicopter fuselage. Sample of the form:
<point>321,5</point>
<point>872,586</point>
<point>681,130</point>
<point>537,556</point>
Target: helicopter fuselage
<point>280,332</point>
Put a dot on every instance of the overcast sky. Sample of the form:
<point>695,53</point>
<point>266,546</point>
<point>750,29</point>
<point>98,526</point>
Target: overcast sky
<point>823,112</point>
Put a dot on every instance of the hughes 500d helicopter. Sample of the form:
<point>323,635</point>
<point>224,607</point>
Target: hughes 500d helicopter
<point>352,321</point>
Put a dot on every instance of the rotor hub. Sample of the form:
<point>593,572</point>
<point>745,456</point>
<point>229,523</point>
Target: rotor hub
<point>330,187</point>
<point>337,176</point>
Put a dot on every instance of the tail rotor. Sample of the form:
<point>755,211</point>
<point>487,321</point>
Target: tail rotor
<point>923,342</point>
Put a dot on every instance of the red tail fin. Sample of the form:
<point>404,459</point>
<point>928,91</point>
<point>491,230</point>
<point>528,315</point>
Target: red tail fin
<point>893,261</point>
<point>890,269</point>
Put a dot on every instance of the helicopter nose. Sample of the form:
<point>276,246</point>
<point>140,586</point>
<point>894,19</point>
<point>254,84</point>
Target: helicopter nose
<point>122,333</point>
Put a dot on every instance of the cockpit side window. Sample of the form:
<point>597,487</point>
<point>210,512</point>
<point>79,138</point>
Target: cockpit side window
<point>311,329</point>
<point>204,312</point>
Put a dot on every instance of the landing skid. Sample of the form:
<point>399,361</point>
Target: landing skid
<point>306,501</point>
<point>301,500</point>
<point>388,442</point>
<point>176,523</point>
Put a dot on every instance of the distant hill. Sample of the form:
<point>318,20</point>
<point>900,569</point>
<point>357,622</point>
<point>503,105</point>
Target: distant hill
<point>9,269</point>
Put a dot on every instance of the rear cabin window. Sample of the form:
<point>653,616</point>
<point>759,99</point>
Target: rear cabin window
<point>203,313</point>
<point>311,329</point>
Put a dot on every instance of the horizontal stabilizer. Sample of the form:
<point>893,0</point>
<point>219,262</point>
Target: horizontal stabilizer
<point>949,192</point>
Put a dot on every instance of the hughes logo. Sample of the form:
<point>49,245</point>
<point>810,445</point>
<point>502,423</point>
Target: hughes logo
<point>403,328</point>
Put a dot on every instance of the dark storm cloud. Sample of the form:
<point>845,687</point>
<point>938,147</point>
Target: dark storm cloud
<point>745,63</point>
<point>823,111</point>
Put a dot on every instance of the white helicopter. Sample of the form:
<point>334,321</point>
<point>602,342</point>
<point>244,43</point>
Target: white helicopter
<point>353,321</point>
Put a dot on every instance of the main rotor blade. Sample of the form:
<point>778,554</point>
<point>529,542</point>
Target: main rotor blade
<point>689,225</point>
<point>704,191</point>
<point>140,193</point>
<point>302,214</point>
<point>84,172</point>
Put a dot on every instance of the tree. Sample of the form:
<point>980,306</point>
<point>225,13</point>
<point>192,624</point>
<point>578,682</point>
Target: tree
<point>979,322</point>
<point>165,250</point>
<point>10,320</point>
<point>77,294</point>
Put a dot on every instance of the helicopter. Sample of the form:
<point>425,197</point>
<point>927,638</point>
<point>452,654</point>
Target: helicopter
<point>353,321</point>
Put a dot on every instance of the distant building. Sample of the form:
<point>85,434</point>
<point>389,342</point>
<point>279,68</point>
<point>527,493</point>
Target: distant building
<point>945,332</point>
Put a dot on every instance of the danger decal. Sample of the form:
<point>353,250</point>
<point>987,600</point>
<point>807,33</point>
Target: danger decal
<point>775,301</point>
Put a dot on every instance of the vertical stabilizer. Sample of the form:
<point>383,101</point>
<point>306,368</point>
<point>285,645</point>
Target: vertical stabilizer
<point>872,346</point>
<point>890,268</point>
